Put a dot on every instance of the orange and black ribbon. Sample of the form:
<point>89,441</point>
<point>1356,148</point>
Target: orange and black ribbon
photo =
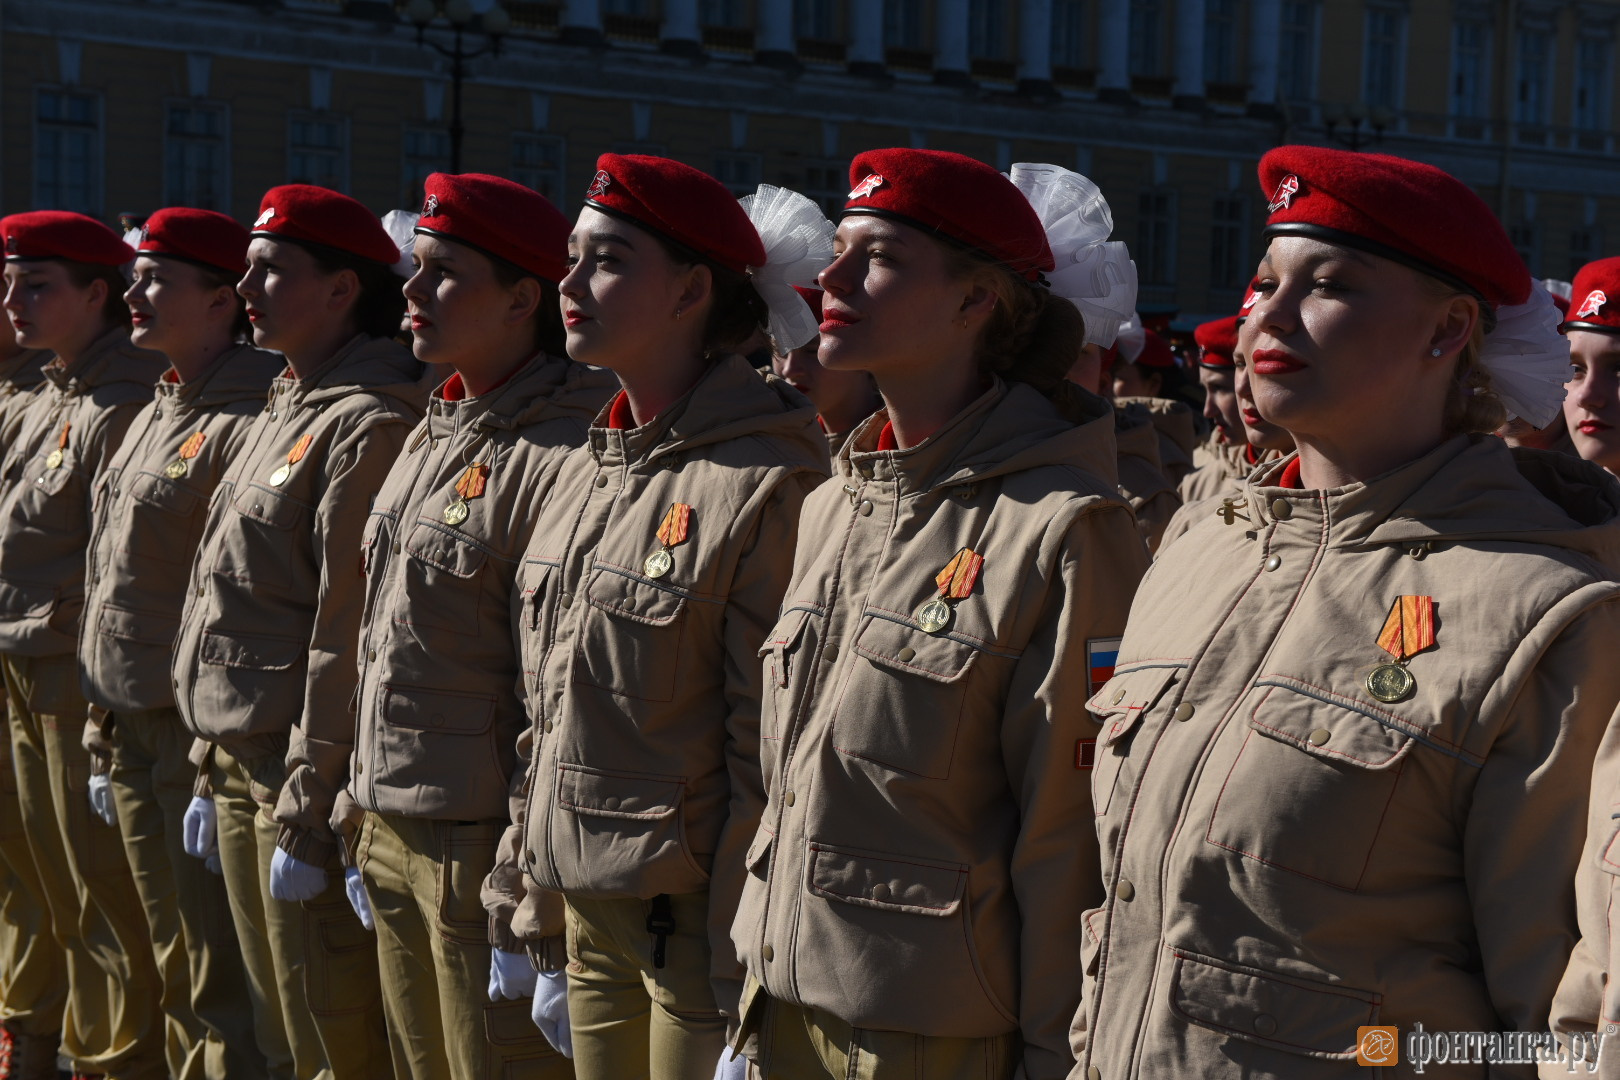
<point>1410,627</point>
<point>300,448</point>
<point>192,446</point>
<point>471,484</point>
<point>62,439</point>
<point>956,581</point>
<point>676,521</point>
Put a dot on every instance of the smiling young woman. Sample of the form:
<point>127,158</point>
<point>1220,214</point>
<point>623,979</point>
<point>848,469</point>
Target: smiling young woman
<point>1324,788</point>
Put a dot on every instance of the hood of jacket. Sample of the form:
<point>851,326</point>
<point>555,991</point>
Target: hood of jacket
<point>380,366</point>
<point>240,373</point>
<point>110,359</point>
<point>545,387</point>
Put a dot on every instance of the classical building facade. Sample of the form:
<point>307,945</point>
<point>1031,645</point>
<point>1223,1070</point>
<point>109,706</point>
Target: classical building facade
<point>108,106</point>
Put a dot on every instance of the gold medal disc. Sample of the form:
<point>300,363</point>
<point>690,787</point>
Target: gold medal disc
<point>934,616</point>
<point>53,460</point>
<point>176,469</point>
<point>456,512</point>
<point>279,477</point>
<point>658,563</point>
<point>1390,683</point>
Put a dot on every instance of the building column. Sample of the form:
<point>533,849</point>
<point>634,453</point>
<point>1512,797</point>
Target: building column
<point>1114,51</point>
<point>1035,48</point>
<point>1265,43</point>
<point>951,64</point>
<point>681,34</point>
<point>866,56</point>
<point>775,42</point>
<point>581,23</point>
<point>1188,92</point>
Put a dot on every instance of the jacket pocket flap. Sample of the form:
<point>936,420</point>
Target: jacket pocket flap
<point>24,599</point>
<point>638,796</point>
<point>246,651</point>
<point>1258,1006</point>
<point>1138,689</point>
<point>785,634</point>
<point>52,481</point>
<point>164,494</point>
<point>1328,730</point>
<point>633,598</point>
<point>445,550</point>
<point>261,504</point>
<point>887,882</point>
<point>139,626</point>
<point>437,710</point>
<point>759,850</point>
<point>900,647</point>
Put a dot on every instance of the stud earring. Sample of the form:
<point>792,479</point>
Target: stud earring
<point>1434,352</point>
<point>678,315</point>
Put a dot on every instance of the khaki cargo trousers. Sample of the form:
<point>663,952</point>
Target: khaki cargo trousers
<point>205,991</point>
<point>312,967</point>
<point>423,879</point>
<point>113,1022</point>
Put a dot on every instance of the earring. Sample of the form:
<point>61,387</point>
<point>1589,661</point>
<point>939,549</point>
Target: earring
<point>1434,352</point>
<point>678,315</point>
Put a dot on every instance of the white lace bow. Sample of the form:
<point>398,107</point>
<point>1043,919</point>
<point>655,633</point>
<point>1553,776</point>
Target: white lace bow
<point>1528,359</point>
<point>400,225</point>
<point>798,241</point>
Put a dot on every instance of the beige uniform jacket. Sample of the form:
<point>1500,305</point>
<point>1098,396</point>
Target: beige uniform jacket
<point>1177,428</point>
<point>924,851</point>
<point>438,712</point>
<point>1142,481</point>
<point>268,638</point>
<point>70,433</point>
<point>21,379</point>
<point>1204,490</point>
<point>643,689</point>
<point>1289,857</point>
<point>149,514</point>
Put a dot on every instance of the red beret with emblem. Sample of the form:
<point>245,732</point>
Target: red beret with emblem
<point>1155,352</point>
<point>956,197</point>
<point>1595,300</point>
<point>1397,209</point>
<point>1217,340</point>
<point>499,218</point>
<point>58,234</point>
<point>205,237</point>
<point>678,202</point>
<point>317,215</point>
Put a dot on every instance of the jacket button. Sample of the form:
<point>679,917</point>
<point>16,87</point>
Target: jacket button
<point>880,892</point>
<point>1184,711</point>
<point>1282,509</point>
<point>1265,1024</point>
<point>601,481</point>
<point>371,654</point>
<point>1273,562</point>
<point>865,471</point>
<point>768,953</point>
<point>908,653</point>
<point>199,590</point>
<point>866,509</point>
<point>1093,1073</point>
<point>831,654</point>
<point>788,798</point>
<point>1125,890</point>
<point>566,598</point>
<point>1119,695</point>
<point>396,547</point>
<point>549,726</point>
<point>1320,736</point>
<point>529,854</point>
<point>359,767</point>
<point>258,509</point>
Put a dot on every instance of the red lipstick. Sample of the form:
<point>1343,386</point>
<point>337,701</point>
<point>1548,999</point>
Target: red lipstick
<point>1274,362</point>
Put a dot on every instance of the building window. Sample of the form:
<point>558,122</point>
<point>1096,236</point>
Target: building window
<point>1583,248</point>
<point>195,153</point>
<point>1147,38</point>
<point>827,182</point>
<point>427,151</point>
<point>67,170</point>
<point>903,24</point>
<point>1383,54</point>
<point>1155,249</point>
<point>1592,84</point>
<point>1530,106</point>
<point>1220,41</point>
<point>537,164</point>
<point>721,12</point>
<point>1524,242</point>
<point>815,19</point>
<point>1470,70</point>
<point>318,150</point>
<point>1229,265</point>
<point>987,29</point>
<point>1296,57</point>
<point>1069,33</point>
<point>739,172</point>
<point>625,7</point>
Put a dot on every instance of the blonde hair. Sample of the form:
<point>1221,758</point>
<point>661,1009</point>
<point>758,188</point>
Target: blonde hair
<point>1473,404</point>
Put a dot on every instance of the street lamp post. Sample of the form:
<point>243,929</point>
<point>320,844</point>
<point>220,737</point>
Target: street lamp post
<point>459,13</point>
<point>1355,116</point>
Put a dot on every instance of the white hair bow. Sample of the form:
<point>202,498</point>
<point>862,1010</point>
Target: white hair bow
<point>798,241</point>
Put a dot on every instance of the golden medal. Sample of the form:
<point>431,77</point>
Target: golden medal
<point>470,486</point>
<point>188,450</point>
<point>677,522</point>
<point>1408,631</point>
<point>53,460</point>
<point>294,456</point>
<point>955,582</point>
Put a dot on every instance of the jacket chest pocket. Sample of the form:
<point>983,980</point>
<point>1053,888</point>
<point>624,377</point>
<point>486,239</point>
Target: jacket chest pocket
<point>163,520</point>
<point>787,649</point>
<point>631,637</point>
<point>1119,707</point>
<point>443,587</point>
<point>53,499</point>
<point>1311,787</point>
<point>906,695</point>
<point>261,547</point>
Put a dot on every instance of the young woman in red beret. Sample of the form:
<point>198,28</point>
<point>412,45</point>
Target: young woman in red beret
<point>911,891</point>
<point>1592,406</point>
<point>842,398</point>
<point>655,569</point>
<point>266,657</point>
<point>1341,764</point>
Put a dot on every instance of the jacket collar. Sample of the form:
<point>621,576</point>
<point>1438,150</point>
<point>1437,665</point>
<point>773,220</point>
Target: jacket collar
<point>110,358</point>
<point>237,374</point>
<point>543,384</point>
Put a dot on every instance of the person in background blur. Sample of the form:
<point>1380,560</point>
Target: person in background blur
<point>1224,449</point>
<point>842,398</point>
<point>1592,403</point>
<point>1147,379</point>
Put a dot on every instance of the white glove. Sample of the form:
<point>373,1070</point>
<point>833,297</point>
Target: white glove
<point>101,799</point>
<point>293,880</point>
<point>355,886</point>
<point>200,834</point>
<point>731,1068</point>
<point>511,976</point>
<point>550,1012</point>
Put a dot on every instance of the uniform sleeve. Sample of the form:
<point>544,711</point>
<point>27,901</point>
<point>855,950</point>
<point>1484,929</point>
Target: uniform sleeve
<point>1056,866</point>
<point>318,754</point>
<point>1527,817</point>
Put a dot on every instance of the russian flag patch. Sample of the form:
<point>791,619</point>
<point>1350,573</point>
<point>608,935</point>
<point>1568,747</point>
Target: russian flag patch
<point>1101,655</point>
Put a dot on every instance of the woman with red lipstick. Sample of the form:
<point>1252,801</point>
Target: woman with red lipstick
<point>911,891</point>
<point>1592,405</point>
<point>842,398</point>
<point>655,569</point>
<point>1341,773</point>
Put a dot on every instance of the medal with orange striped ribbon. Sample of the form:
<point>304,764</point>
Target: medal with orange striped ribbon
<point>188,450</point>
<point>53,460</point>
<point>671,531</point>
<point>955,582</point>
<point>1407,631</point>
<point>470,486</point>
<point>294,456</point>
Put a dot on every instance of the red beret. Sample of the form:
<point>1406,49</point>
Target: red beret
<point>1155,352</point>
<point>813,297</point>
<point>1216,342</point>
<point>1595,302</point>
<point>198,236</point>
<point>318,215</point>
<point>57,234</point>
<point>1402,210</point>
<point>678,202</point>
<point>499,218</point>
<point>955,196</point>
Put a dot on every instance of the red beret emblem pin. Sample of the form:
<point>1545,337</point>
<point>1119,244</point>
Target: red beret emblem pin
<point>1249,301</point>
<point>431,206</point>
<point>872,182</point>
<point>1592,304</point>
<point>264,218</point>
<point>599,184</point>
<point>146,233</point>
<point>1285,193</point>
<point>11,245</point>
